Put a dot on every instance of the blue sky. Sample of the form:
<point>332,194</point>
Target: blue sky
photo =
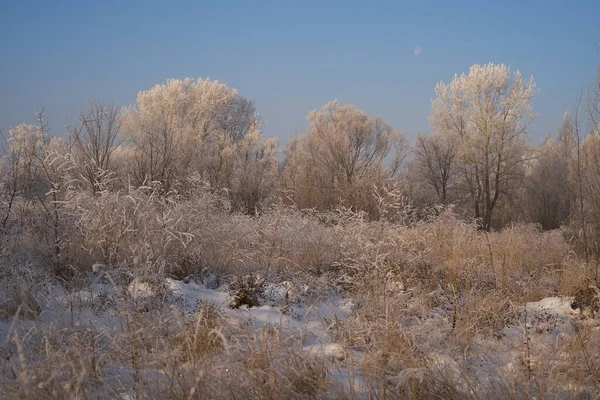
<point>290,57</point>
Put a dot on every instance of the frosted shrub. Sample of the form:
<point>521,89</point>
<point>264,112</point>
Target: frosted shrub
<point>116,226</point>
<point>21,286</point>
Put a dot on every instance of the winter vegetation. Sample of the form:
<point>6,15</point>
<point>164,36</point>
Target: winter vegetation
<point>169,250</point>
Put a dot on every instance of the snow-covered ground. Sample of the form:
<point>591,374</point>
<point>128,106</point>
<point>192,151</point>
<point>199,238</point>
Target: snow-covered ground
<point>311,325</point>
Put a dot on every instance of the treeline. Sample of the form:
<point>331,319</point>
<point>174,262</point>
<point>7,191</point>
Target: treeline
<point>185,138</point>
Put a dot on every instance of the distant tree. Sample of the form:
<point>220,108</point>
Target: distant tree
<point>26,150</point>
<point>548,189</point>
<point>436,162</point>
<point>257,170</point>
<point>34,172</point>
<point>187,127</point>
<point>93,143</point>
<point>344,154</point>
<point>489,111</point>
<point>584,125</point>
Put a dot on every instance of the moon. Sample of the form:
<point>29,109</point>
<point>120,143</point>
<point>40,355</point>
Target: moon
<point>417,51</point>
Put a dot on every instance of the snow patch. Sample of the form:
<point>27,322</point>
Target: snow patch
<point>140,290</point>
<point>333,351</point>
<point>557,306</point>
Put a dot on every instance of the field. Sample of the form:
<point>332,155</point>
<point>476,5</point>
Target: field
<point>300,304</point>
<point>300,200</point>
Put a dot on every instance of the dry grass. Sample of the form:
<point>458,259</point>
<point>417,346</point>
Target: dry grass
<point>433,299</point>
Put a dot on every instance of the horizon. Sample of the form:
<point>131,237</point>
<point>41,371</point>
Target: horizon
<point>291,59</point>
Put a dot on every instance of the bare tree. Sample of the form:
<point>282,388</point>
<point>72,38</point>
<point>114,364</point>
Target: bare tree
<point>572,131</point>
<point>256,171</point>
<point>548,190</point>
<point>93,143</point>
<point>435,159</point>
<point>25,151</point>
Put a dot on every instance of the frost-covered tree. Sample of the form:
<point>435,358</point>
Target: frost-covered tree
<point>489,110</point>
<point>33,175</point>
<point>26,150</point>
<point>342,157</point>
<point>186,127</point>
<point>25,183</point>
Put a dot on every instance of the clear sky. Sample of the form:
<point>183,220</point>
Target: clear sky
<point>289,56</point>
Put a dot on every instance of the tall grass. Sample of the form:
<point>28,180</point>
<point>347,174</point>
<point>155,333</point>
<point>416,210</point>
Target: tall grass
<point>433,299</point>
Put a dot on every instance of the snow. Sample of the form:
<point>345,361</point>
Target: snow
<point>311,326</point>
<point>313,321</point>
<point>332,351</point>
<point>551,315</point>
<point>140,290</point>
<point>541,327</point>
<point>557,306</point>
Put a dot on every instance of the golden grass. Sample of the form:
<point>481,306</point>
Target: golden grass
<point>432,301</point>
